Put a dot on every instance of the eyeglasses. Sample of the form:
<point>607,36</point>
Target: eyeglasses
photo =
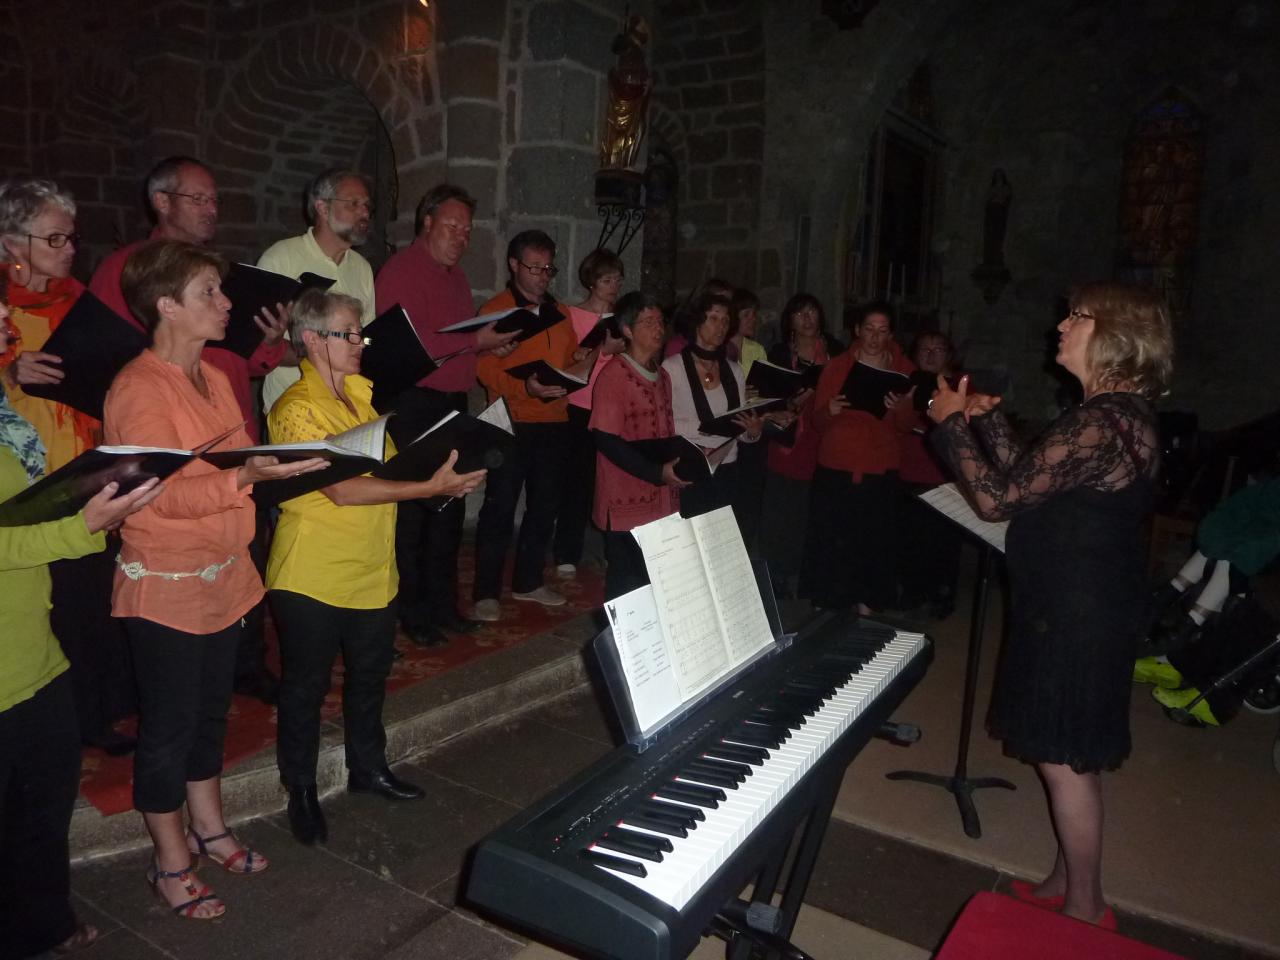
<point>356,202</point>
<point>353,337</point>
<point>1080,315</point>
<point>197,199</point>
<point>930,351</point>
<point>550,270</point>
<point>58,240</point>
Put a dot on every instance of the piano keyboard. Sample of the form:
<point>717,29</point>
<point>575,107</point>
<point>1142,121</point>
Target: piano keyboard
<point>672,845</point>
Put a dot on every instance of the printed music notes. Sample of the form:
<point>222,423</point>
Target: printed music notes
<point>950,502</point>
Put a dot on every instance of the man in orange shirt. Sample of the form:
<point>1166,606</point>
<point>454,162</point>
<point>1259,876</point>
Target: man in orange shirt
<point>540,416</point>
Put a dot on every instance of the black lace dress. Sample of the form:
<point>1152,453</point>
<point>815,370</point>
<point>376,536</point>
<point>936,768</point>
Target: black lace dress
<point>1077,500</point>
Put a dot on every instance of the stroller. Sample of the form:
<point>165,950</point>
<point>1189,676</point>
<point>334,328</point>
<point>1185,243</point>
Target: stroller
<point>1215,645</point>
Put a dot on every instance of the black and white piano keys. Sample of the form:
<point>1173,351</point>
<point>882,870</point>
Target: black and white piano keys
<point>673,866</point>
<point>711,807</point>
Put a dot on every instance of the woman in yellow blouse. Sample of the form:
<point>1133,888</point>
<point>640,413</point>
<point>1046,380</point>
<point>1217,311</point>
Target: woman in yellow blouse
<point>332,573</point>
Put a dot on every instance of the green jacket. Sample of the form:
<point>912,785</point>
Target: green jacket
<point>29,653</point>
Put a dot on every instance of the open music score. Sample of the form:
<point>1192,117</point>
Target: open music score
<point>951,503</point>
<point>699,620</point>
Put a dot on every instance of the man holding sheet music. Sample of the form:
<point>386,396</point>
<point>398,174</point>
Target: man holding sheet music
<point>426,279</point>
<point>540,415</point>
<point>183,200</point>
<point>338,209</point>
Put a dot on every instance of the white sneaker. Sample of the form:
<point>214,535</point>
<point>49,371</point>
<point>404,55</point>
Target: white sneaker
<point>543,595</point>
<point>487,610</point>
<point>566,571</point>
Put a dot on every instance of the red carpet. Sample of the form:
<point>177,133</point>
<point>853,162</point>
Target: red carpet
<point>106,782</point>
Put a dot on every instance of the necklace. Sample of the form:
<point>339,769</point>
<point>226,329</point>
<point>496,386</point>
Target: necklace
<point>708,373</point>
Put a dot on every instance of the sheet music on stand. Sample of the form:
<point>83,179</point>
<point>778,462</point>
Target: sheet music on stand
<point>701,622</point>
<point>951,503</point>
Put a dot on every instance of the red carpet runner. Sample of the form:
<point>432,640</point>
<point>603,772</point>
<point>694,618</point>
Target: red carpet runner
<point>106,782</point>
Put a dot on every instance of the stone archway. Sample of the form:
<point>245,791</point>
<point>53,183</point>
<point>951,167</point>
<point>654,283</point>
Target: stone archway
<point>305,100</point>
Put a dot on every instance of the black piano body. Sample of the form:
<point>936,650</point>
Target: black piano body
<point>530,874</point>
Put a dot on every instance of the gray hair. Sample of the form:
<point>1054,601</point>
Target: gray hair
<point>166,176</point>
<point>21,201</point>
<point>314,310</point>
<point>325,187</point>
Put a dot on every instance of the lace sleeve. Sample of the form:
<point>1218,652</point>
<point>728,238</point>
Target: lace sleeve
<point>1002,442</point>
<point>1082,448</point>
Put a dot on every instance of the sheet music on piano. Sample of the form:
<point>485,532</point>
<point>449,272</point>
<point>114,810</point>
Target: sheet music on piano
<point>951,503</point>
<point>700,619</point>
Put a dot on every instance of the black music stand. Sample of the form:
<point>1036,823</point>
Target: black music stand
<point>960,784</point>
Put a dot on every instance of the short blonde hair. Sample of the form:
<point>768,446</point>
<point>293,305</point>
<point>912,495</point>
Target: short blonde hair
<point>1132,342</point>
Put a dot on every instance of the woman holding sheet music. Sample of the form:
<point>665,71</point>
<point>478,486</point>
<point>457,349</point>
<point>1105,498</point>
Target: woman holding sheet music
<point>633,402</point>
<point>1077,500</point>
<point>706,384</point>
<point>38,787</point>
<point>849,552</point>
<point>332,573</point>
<point>185,579</point>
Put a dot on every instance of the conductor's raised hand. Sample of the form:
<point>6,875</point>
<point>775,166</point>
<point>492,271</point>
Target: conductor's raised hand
<point>33,367</point>
<point>538,389</point>
<point>449,483</point>
<point>947,401</point>
<point>106,511</point>
<point>259,469</point>
<point>669,476</point>
<point>488,338</point>
<point>979,404</point>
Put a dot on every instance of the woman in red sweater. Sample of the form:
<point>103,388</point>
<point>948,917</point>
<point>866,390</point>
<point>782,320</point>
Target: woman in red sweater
<point>632,401</point>
<point>850,545</point>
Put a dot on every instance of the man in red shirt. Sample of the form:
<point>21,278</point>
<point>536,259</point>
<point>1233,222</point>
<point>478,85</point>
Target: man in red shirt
<point>183,200</point>
<point>426,280</point>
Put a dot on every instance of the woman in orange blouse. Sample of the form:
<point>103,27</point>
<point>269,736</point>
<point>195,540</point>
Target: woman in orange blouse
<point>185,578</point>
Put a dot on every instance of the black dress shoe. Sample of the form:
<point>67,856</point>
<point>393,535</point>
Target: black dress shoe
<point>306,819</point>
<point>426,636</point>
<point>113,744</point>
<point>385,784</point>
<point>454,623</point>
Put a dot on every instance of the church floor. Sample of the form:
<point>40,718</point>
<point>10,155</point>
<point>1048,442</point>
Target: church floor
<point>385,886</point>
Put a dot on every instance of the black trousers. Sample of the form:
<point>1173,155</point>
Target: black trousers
<point>39,779</point>
<point>251,652</point>
<point>577,490</point>
<point>850,553</point>
<point>625,570</point>
<point>711,493</point>
<point>311,635</point>
<point>929,553</point>
<point>537,467</point>
<point>94,642</point>
<point>748,498</point>
<point>427,540</point>
<point>184,693</point>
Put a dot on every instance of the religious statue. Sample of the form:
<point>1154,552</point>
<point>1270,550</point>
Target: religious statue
<point>629,86</point>
<point>991,275</point>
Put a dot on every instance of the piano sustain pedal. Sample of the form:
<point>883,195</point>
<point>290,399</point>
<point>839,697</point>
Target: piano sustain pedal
<point>899,734</point>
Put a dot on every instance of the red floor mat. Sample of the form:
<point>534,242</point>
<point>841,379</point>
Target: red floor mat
<point>106,782</point>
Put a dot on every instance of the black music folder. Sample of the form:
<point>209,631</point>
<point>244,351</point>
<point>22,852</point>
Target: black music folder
<point>95,343</point>
<point>483,442</point>
<point>548,376</point>
<point>770,380</point>
<point>693,462</point>
<point>65,491</point>
<point>866,386</point>
<point>723,425</point>
<point>527,321</point>
<point>396,358</point>
<point>250,290</point>
<point>607,324</point>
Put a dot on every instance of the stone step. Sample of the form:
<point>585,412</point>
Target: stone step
<point>419,718</point>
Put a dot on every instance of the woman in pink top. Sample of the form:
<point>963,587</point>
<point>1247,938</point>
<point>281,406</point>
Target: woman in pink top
<point>185,578</point>
<point>601,276</point>
<point>633,403</point>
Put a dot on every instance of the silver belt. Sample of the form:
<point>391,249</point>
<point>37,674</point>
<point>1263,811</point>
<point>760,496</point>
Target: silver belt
<point>136,571</point>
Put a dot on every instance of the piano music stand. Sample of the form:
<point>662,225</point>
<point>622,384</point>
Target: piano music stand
<point>960,784</point>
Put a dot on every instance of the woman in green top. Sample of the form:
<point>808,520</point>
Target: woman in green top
<point>38,787</point>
